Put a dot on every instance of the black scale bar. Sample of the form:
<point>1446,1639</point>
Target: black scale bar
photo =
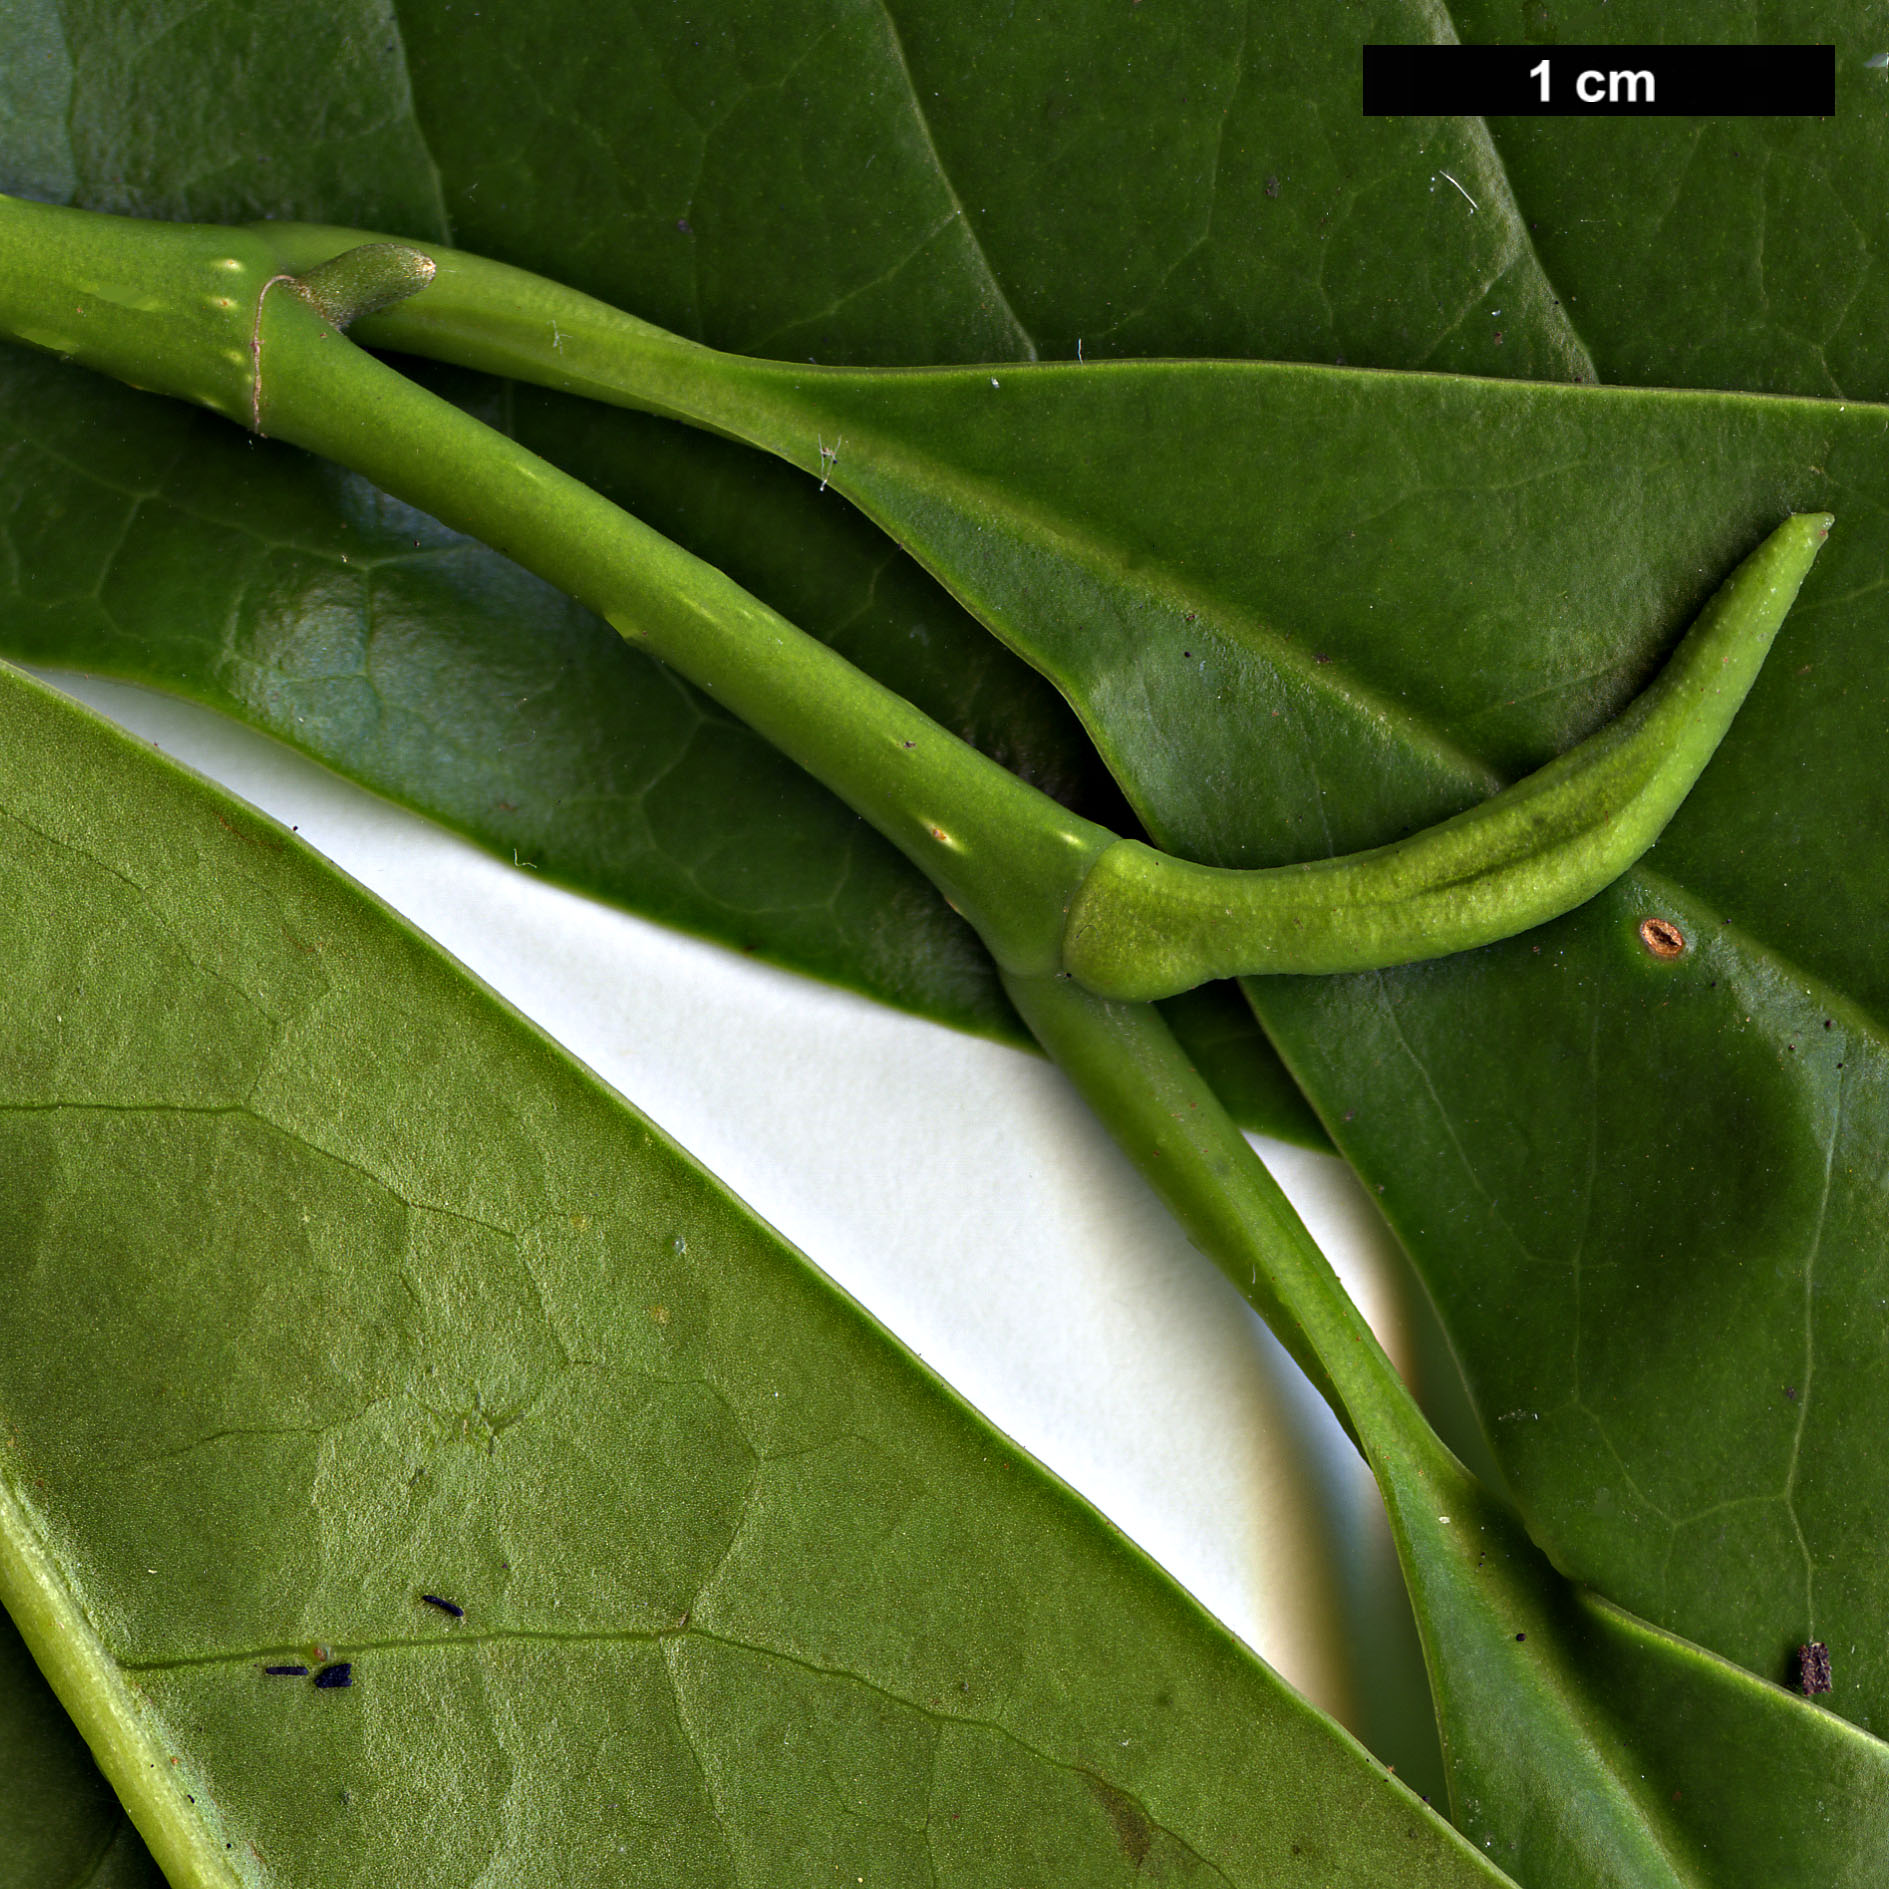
<point>1600,81</point>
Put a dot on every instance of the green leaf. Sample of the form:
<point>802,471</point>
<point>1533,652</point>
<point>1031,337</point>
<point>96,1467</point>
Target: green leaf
<point>332,1285</point>
<point>1361,252</point>
<point>1709,252</point>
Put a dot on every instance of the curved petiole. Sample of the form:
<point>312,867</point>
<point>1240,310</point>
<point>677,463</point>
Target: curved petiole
<point>210,315</point>
<point>1146,925</point>
<point>1557,1710</point>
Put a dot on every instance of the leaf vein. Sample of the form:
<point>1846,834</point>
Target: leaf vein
<point>896,42</point>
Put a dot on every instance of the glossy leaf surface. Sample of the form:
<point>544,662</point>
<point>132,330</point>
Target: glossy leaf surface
<point>334,1286</point>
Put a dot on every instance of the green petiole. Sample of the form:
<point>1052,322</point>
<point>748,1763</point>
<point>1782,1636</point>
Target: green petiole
<point>1556,1709</point>
<point>214,316</point>
<point>1145,925</point>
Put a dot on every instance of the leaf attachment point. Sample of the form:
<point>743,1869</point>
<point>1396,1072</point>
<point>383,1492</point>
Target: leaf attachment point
<point>365,280</point>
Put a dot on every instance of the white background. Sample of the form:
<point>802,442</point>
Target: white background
<point>957,1188</point>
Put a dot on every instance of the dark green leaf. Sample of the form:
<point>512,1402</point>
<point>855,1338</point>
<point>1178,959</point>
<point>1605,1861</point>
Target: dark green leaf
<point>1364,252</point>
<point>332,1285</point>
<point>59,1822</point>
<point>1710,252</point>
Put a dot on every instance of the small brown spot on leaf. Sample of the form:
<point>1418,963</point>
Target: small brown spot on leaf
<point>1662,937</point>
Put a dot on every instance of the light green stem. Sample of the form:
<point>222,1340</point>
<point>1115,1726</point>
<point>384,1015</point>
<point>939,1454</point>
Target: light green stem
<point>215,315</point>
<point>1146,925</point>
<point>1505,1639</point>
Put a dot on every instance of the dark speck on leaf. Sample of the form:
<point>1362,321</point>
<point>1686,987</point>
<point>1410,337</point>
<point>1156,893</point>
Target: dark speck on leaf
<point>682,223</point>
<point>1272,186</point>
<point>341,1673</point>
<point>1321,659</point>
<point>1521,1636</point>
<point>1813,1668</point>
<point>445,1606</point>
<point>1790,1392</point>
<point>286,1672</point>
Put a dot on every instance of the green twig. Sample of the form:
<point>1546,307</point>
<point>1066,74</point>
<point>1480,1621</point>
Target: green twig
<point>1144,924</point>
<point>214,316</point>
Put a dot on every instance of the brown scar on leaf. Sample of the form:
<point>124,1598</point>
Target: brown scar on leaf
<point>257,840</point>
<point>1133,1831</point>
<point>1662,937</point>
